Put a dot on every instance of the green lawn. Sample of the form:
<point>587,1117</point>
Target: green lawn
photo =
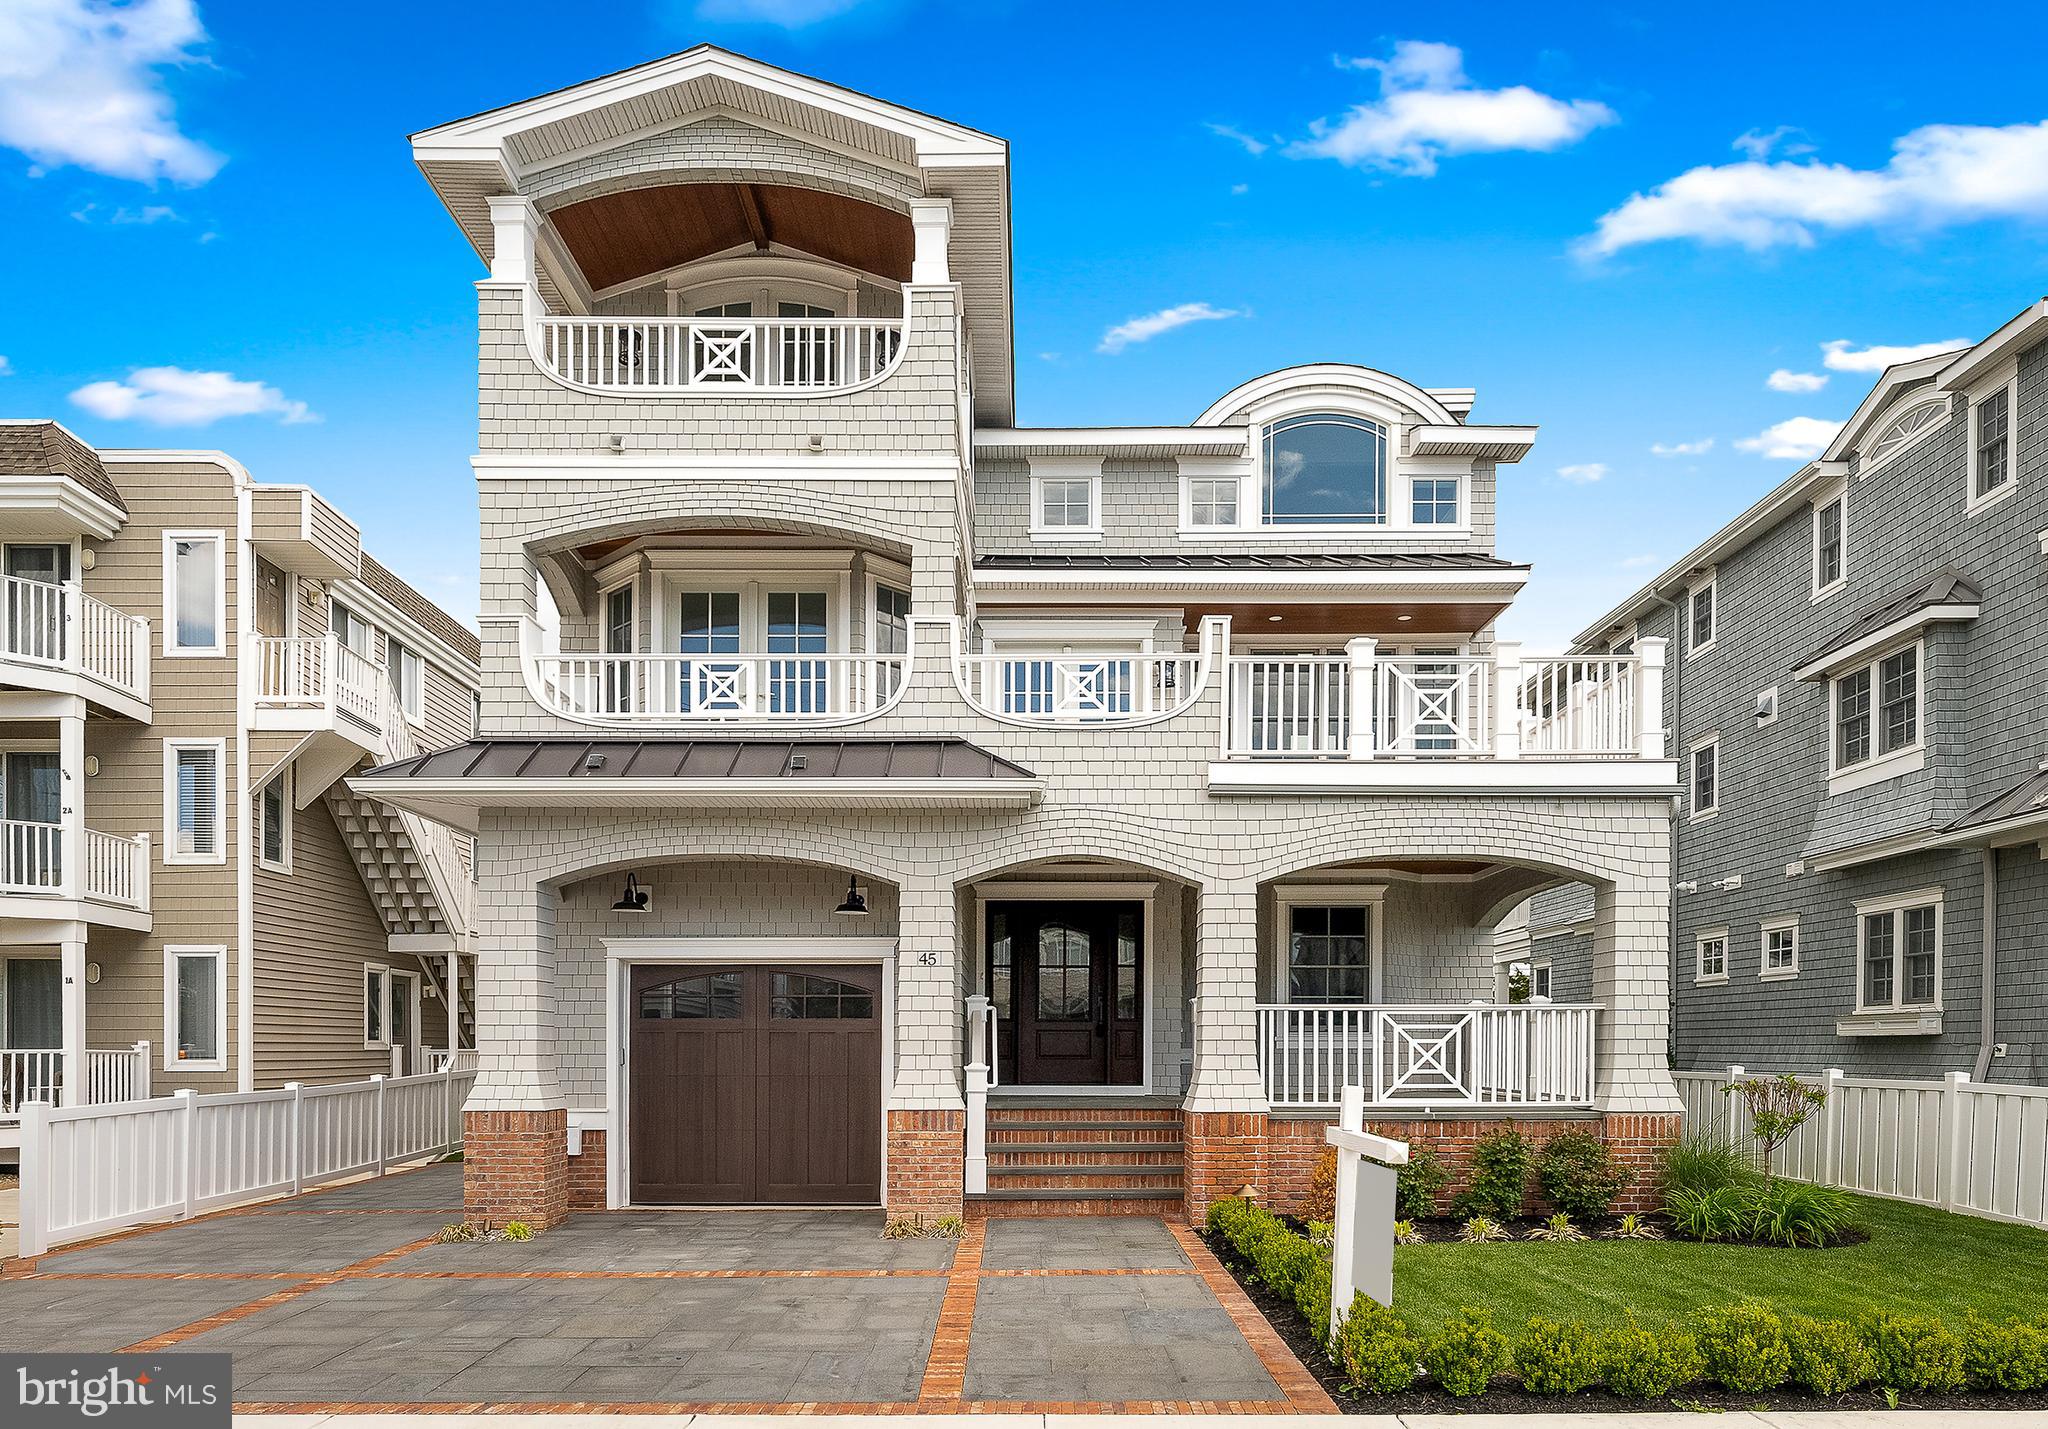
<point>1917,1260</point>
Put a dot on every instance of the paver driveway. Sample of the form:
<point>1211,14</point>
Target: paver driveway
<point>340,1298</point>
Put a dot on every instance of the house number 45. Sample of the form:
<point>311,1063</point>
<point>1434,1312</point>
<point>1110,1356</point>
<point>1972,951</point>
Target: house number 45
<point>931,960</point>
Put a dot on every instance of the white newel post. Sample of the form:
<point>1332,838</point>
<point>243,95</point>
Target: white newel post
<point>931,226</point>
<point>297,1151</point>
<point>377,1117</point>
<point>139,1087</point>
<point>1954,1087</point>
<point>1507,699</point>
<point>978,1053</point>
<point>1734,1099</point>
<point>1362,652</point>
<point>1830,1124</point>
<point>34,1213</point>
<point>72,993</point>
<point>1650,732</point>
<point>1362,1253</point>
<point>188,1152</point>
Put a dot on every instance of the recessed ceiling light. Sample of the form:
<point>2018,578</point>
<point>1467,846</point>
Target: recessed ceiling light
<point>1404,619</point>
<point>1274,618</point>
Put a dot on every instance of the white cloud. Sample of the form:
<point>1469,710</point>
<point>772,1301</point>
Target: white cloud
<point>1583,473</point>
<point>81,83</point>
<point>1784,379</point>
<point>1844,356</point>
<point>149,213</point>
<point>1251,144</point>
<point>1240,189</point>
<point>788,14</point>
<point>1428,108</point>
<point>1636,563</point>
<point>1938,175</point>
<point>6,367</point>
<point>174,397</point>
<point>1758,144</point>
<point>1794,439</point>
<point>1698,448</point>
<point>1144,329</point>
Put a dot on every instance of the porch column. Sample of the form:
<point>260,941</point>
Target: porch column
<point>71,796</point>
<point>1633,1089</point>
<point>71,946</point>
<point>1224,1114</point>
<point>931,226</point>
<point>927,1113</point>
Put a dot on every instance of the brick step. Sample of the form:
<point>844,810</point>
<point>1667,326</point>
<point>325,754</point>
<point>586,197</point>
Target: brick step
<point>1091,1168</point>
<point>1082,1195</point>
<point>1106,1112</point>
<point>997,1126</point>
<point>1085,1148</point>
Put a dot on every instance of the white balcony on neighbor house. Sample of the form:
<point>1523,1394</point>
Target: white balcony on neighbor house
<point>55,636</point>
<point>36,1074</point>
<point>721,356</point>
<point>688,690</point>
<point>1409,1057</point>
<point>313,682</point>
<point>1060,690</point>
<point>116,869</point>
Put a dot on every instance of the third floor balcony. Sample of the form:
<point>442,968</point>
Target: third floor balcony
<point>53,636</point>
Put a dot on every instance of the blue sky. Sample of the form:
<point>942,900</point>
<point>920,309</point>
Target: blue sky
<point>1617,222</point>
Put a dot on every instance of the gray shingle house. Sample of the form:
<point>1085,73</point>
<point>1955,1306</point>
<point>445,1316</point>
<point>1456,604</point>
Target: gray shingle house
<point>1859,695</point>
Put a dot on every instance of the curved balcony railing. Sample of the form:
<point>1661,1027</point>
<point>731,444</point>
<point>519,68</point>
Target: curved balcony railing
<point>717,689</point>
<point>723,356</point>
<point>1061,690</point>
<point>62,628</point>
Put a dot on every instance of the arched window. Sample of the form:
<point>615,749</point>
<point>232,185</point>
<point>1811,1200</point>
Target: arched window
<point>1905,429</point>
<point>808,996</point>
<point>1324,468</point>
<point>705,995</point>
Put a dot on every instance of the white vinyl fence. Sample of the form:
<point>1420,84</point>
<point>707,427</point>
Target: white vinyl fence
<point>87,1170</point>
<point>1972,1147</point>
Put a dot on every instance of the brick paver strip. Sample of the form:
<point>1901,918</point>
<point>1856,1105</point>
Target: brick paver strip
<point>1301,1388</point>
<point>292,1292</point>
<point>945,1370</point>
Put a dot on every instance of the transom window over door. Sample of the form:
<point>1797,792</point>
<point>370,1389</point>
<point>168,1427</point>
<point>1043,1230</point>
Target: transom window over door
<point>1325,468</point>
<point>1329,954</point>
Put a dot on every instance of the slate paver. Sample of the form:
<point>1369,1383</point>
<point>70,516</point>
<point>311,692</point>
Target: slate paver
<point>431,1188</point>
<point>700,1240</point>
<point>1082,1243</point>
<point>302,1245</point>
<point>96,1316</point>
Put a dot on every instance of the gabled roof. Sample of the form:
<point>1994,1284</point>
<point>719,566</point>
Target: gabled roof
<point>1946,595</point>
<point>1892,385</point>
<point>46,448</point>
<point>381,579</point>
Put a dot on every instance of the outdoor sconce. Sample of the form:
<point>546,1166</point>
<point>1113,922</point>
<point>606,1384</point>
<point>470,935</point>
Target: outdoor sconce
<point>633,900</point>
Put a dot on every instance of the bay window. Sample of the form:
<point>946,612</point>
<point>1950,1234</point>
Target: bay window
<point>1877,713</point>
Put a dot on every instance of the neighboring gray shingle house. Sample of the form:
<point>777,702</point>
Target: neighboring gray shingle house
<point>1859,690</point>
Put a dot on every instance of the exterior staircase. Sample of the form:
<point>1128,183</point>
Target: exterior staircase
<point>1092,1159</point>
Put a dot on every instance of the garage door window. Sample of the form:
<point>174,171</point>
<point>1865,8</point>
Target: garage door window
<point>802,995</point>
<point>706,995</point>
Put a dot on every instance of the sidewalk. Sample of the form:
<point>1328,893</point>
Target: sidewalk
<point>1809,1419</point>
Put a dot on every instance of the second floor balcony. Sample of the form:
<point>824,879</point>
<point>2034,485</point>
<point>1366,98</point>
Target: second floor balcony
<point>724,356</point>
<point>316,682</point>
<point>110,870</point>
<point>55,636</point>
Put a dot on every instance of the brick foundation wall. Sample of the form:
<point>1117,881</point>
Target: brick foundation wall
<point>515,1167</point>
<point>927,1163</point>
<point>1294,1144</point>
<point>1223,1152</point>
<point>586,1173</point>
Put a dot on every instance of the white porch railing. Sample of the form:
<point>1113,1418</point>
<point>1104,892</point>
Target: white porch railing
<point>92,1169</point>
<point>719,355</point>
<point>31,1074</point>
<point>1081,689</point>
<point>317,672</point>
<point>62,627</point>
<point>718,689</point>
<point>117,869</point>
<point>32,861</point>
<point>31,857</point>
<point>1364,705</point>
<point>1476,1055</point>
<point>442,1060</point>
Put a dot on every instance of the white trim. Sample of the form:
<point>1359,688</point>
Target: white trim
<point>1695,812</point>
<point>1893,904</point>
<point>1369,896</point>
<point>622,953</point>
<point>1927,399</point>
<point>1446,776</point>
<point>171,648</point>
<point>1710,583</point>
<point>1836,494</point>
<point>2008,381</point>
<point>683,466</point>
<point>1211,443</point>
<point>1880,764</point>
<point>172,953</point>
<point>1700,976</point>
<point>282,783</point>
<point>1305,386</point>
<point>1860,652</point>
<point>171,855</point>
<point>1065,469</point>
<point>1765,972</point>
<point>381,975</point>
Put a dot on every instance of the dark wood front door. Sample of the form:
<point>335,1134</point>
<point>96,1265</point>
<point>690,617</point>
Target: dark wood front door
<point>757,1085</point>
<point>1068,983</point>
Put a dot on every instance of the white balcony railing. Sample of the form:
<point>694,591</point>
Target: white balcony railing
<point>36,1074</point>
<point>318,672</point>
<point>718,689</point>
<point>1476,1055</point>
<point>31,857</point>
<point>32,861</point>
<point>1080,689</point>
<point>60,627</point>
<point>1363,705</point>
<point>719,355</point>
<point>117,869</point>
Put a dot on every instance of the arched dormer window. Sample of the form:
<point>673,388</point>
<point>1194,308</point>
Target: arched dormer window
<point>1905,429</point>
<point>1325,468</point>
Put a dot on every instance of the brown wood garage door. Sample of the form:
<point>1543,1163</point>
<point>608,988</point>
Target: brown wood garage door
<point>757,1084</point>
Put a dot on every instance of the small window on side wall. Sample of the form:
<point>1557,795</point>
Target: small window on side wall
<point>1703,616</point>
<point>274,824</point>
<point>1991,444</point>
<point>1829,545</point>
<point>195,1009</point>
<point>195,593</point>
<point>1781,950</point>
<point>1710,956</point>
<point>1706,778</point>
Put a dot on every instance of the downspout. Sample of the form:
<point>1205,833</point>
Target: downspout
<point>238,804</point>
<point>1674,677</point>
<point>1987,1011</point>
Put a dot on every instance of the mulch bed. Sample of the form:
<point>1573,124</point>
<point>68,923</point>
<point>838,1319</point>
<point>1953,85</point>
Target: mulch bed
<point>1505,1398</point>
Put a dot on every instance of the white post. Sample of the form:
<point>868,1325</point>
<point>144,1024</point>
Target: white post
<point>451,1113</point>
<point>298,1135</point>
<point>454,994</point>
<point>931,226</point>
<point>514,225</point>
<point>72,992</point>
<point>71,809</point>
<point>1650,732</point>
<point>139,1084</point>
<point>1507,699</point>
<point>377,1118</point>
<point>397,1060</point>
<point>1830,1123</point>
<point>1954,1087</point>
<point>977,1094</point>
<point>142,871</point>
<point>188,1152</point>
<point>1735,1074</point>
<point>1361,652</point>
<point>34,1214</point>
<point>1362,1253</point>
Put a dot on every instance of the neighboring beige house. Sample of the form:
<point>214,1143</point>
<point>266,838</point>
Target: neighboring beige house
<point>190,895</point>
<point>846,746</point>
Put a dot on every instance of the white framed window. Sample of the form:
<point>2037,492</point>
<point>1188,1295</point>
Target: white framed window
<point>195,593</point>
<point>1702,616</point>
<point>352,630</point>
<point>195,1009</point>
<point>1704,766</point>
<point>1898,952</point>
<point>1710,956</point>
<point>1875,720</point>
<point>1213,500</point>
<point>1781,950</point>
<point>195,801</point>
<point>1909,427</point>
<point>1991,441</point>
<point>1539,981</point>
<point>1831,541</point>
<point>1066,499</point>
<point>1433,500</point>
<point>409,673</point>
<point>1324,469</point>
<point>1330,941</point>
<point>274,823</point>
<point>376,1008</point>
<point>1766,707</point>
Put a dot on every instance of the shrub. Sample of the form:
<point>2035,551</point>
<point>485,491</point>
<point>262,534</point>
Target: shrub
<point>1375,1347</point>
<point>1555,1358</point>
<point>1913,1353</point>
<point>1481,1229</point>
<point>1312,1299</point>
<point>949,1227</point>
<point>1405,1233</point>
<point>1466,1353</point>
<point>1634,1227</point>
<point>1418,1184</point>
<point>1320,1201</point>
<point>518,1230</point>
<point>1794,1213</point>
<point>2012,1356</point>
<point>1714,1214</point>
<point>1828,1356</point>
<point>903,1227</point>
<point>1702,1161</point>
<point>458,1231</point>
<point>1282,1259</point>
<point>1743,1347</point>
<point>1578,1174</point>
<point>1558,1228</point>
<point>1500,1171</point>
<point>1648,1364</point>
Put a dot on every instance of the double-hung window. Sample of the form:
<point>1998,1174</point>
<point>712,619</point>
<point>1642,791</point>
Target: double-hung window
<point>352,630</point>
<point>1991,444</point>
<point>195,1009</point>
<point>409,672</point>
<point>1706,777</point>
<point>1877,712</point>
<point>1066,499</point>
<point>1710,956</point>
<point>1702,616</point>
<point>274,824</point>
<point>195,593</point>
<point>1830,567</point>
<point>1898,944</point>
<point>1781,949</point>
<point>1539,981</point>
<point>194,801</point>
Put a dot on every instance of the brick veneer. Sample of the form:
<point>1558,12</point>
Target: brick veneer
<point>515,1167</point>
<point>927,1163</point>
<point>1223,1152</point>
<point>586,1174</point>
